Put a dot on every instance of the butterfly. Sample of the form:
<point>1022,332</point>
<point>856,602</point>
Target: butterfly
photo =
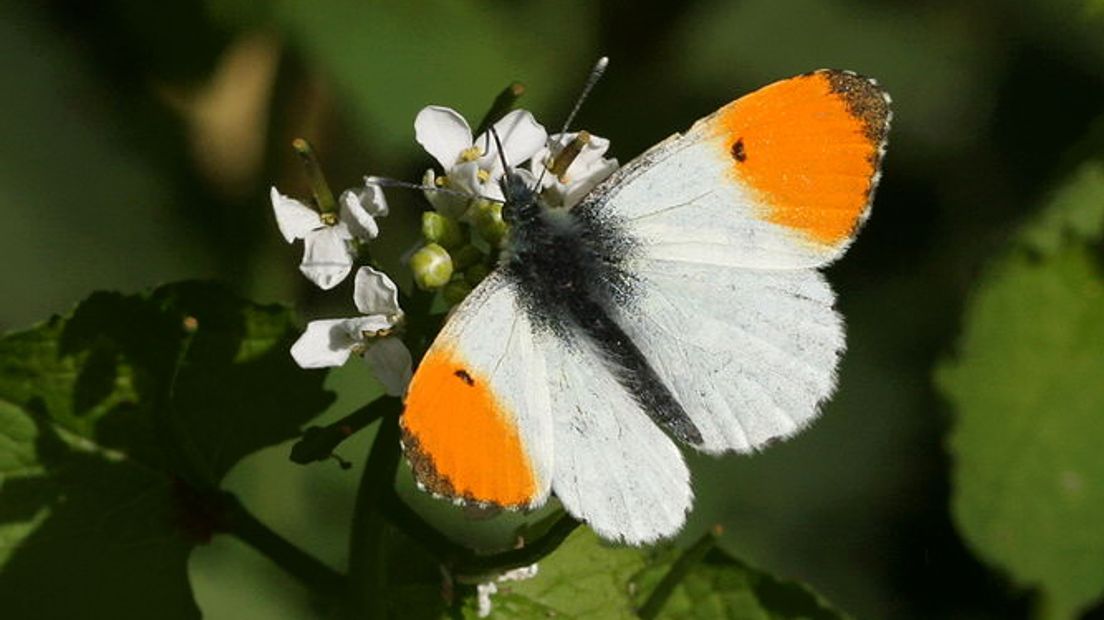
<point>679,302</point>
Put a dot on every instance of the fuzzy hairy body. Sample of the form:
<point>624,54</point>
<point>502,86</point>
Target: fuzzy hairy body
<point>568,272</point>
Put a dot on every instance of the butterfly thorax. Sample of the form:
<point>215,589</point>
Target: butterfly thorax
<point>552,257</point>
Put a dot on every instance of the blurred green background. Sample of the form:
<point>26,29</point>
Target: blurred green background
<point>140,140</point>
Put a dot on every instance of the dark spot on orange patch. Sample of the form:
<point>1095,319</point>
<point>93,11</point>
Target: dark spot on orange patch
<point>738,152</point>
<point>464,376</point>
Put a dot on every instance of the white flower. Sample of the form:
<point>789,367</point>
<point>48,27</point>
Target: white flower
<point>588,169</point>
<point>330,342</point>
<point>485,590</point>
<point>472,166</point>
<point>328,251</point>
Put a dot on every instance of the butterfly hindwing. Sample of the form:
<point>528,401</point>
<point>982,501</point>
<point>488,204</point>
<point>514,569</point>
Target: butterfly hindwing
<point>614,467</point>
<point>749,354</point>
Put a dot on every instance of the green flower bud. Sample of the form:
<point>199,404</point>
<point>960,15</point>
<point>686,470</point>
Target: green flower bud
<point>466,257</point>
<point>488,221</point>
<point>432,267</point>
<point>323,197</point>
<point>455,291</point>
<point>475,274</point>
<point>444,231</point>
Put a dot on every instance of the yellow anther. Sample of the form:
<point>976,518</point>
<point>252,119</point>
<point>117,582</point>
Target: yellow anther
<point>380,333</point>
<point>329,219</point>
<point>441,181</point>
<point>483,175</point>
<point>471,153</point>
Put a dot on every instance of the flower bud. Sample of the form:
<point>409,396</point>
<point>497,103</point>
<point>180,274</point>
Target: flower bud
<point>466,256</point>
<point>488,221</point>
<point>444,231</point>
<point>455,291</point>
<point>475,274</point>
<point>432,266</point>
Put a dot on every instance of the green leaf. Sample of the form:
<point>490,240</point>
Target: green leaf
<point>586,578</point>
<point>116,425</point>
<point>722,587</point>
<point>1075,212</point>
<point>1028,396</point>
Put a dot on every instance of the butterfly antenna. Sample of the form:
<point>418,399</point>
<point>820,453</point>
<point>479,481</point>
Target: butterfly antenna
<point>592,79</point>
<point>501,158</point>
<point>389,182</point>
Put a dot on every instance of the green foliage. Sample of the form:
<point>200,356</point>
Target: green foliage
<point>104,186</point>
<point>116,426</point>
<point>369,48</point>
<point>587,578</point>
<point>1075,213</point>
<point>1028,394</point>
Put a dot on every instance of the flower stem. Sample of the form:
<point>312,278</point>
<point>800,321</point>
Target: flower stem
<point>682,566</point>
<point>323,197</point>
<point>502,104</point>
<point>317,576</point>
<point>193,467</point>
<point>462,560</point>
<point>319,442</point>
<point>475,563</point>
<point>368,538</point>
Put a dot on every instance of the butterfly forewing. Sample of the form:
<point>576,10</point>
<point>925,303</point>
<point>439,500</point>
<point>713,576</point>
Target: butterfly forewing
<point>781,178</point>
<point>477,426</point>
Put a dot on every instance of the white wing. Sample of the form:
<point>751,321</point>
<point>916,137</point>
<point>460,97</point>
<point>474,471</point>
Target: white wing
<point>725,226</point>
<point>781,178</point>
<point>477,425</point>
<point>614,468</point>
<point>749,355</point>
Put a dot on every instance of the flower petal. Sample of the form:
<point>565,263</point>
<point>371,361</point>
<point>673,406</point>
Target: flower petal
<point>359,221</point>
<point>443,133</point>
<point>390,362</point>
<point>363,328</point>
<point>373,199</point>
<point>581,185</point>
<point>522,136</point>
<point>464,177</point>
<point>326,256</point>
<point>294,218</point>
<point>447,203</point>
<point>589,157</point>
<point>375,293</point>
<point>324,344</point>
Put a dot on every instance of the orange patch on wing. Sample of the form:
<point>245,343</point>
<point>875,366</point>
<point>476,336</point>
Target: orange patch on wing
<point>460,439</point>
<point>810,147</point>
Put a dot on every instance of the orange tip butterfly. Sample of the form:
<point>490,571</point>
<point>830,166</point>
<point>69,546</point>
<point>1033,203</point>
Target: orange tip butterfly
<point>679,302</point>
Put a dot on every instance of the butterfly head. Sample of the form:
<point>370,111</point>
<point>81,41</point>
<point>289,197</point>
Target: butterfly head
<point>521,197</point>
